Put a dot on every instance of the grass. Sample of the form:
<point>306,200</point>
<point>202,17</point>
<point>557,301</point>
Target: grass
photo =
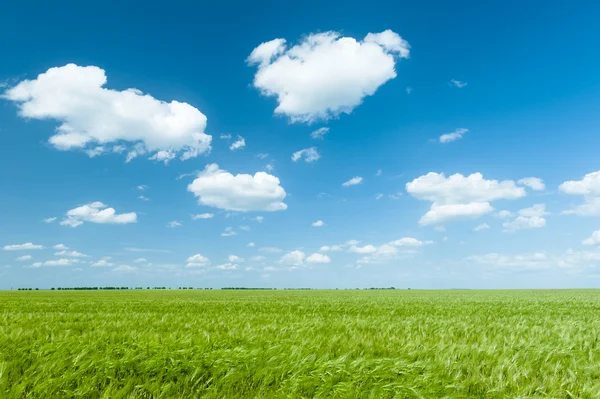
<point>300,344</point>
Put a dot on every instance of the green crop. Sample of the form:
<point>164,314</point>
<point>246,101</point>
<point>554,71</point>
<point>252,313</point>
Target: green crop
<point>300,344</point>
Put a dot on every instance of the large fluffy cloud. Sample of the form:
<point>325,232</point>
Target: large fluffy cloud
<point>97,212</point>
<point>220,189</point>
<point>100,120</point>
<point>325,74</point>
<point>460,196</point>
<point>589,188</point>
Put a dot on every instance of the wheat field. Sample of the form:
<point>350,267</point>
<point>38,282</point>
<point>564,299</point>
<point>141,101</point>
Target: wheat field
<point>300,344</point>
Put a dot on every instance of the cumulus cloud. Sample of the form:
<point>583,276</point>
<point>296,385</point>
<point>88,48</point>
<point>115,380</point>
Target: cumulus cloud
<point>481,227</point>
<point>460,196</point>
<point>58,262</point>
<point>319,133</point>
<point>318,258</point>
<point>220,189</point>
<point>457,83</point>
<point>197,261</point>
<point>103,263</point>
<point>22,247</point>
<point>239,143</point>
<point>331,248</point>
<point>202,216</point>
<point>309,155</point>
<point>529,218</point>
<point>294,258</point>
<point>235,259</point>
<point>409,242</point>
<point>455,135</point>
<point>72,254</point>
<point>367,249</point>
<point>91,115</point>
<point>318,223</point>
<point>589,188</point>
<point>352,182</point>
<point>325,74</point>
<point>593,240</point>
<point>533,183</point>
<point>97,212</point>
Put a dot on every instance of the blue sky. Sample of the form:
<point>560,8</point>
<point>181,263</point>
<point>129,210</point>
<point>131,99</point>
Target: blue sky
<point>444,115</point>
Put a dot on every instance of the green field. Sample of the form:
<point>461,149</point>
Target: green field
<point>300,344</point>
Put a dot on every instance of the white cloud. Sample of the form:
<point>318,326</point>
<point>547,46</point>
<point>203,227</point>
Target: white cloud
<point>220,189</point>
<point>481,227</point>
<point>24,258</point>
<point>163,156</point>
<point>529,218</point>
<point>352,182</point>
<point>589,188</point>
<point>455,135</point>
<point>309,155</point>
<point>102,263</point>
<point>239,143</point>
<point>379,196</point>
<point>97,212</point>
<point>142,187</point>
<point>22,247</point>
<point>258,219</point>
<point>229,232</point>
<point>72,254</point>
<point>58,262</point>
<point>294,258</point>
<point>325,74</point>
<point>91,115</point>
<point>319,133</point>
<point>318,223</point>
<point>460,196</point>
<point>174,224</point>
<point>458,83</point>
<point>318,258</point>
<point>124,269</point>
<point>143,198</point>
<point>50,220</point>
<point>331,248</point>
<point>235,259</point>
<point>140,260</point>
<point>269,167</point>
<point>409,242</point>
<point>197,261</point>
<point>225,136</point>
<point>251,244</point>
<point>367,249</point>
<point>263,155</point>
<point>444,213</point>
<point>202,216</point>
<point>593,240</point>
<point>245,228</point>
<point>228,266</point>
<point>533,183</point>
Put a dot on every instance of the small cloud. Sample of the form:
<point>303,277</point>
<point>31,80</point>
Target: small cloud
<point>354,181</point>
<point>60,247</point>
<point>174,224</point>
<point>140,260</point>
<point>142,187</point>
<point>379,196</point>
<point>533,183</point>
<point>409,90</point>
<point>102,263</point>
<point>202,216</point>
<point>309,155</point>
<point>24,258</point>
<point>50,220</point>
<point>244,228</point>
<point>503,214</point>
<point>234,259</point>
<point>269,167</point>
<point>331,248</point>
<point>271,250</point>
<point>239,143</point>
<point>144,198</point>
<point>457,83</point>
<point>455,135</point>
<point>228,266</point>
<point>225,137</point>
<point>197,261</point>
<point>318,258</point>
<point>251,244</point>
<point>258,219</point>
<point>318,223</point>
<point>124,269</point>
<point>483,226</point>
<point>228,232</point>
<point>72,254</point>
<point>319,133</point>
<point>263,155</point>
<point>22,247</point>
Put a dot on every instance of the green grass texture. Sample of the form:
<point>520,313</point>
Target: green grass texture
<point>300,344</point>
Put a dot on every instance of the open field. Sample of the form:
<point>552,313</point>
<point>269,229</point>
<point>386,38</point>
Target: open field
<point>304,344</point>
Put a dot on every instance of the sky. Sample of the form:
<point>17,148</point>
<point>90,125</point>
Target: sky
<point>285,144</point>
